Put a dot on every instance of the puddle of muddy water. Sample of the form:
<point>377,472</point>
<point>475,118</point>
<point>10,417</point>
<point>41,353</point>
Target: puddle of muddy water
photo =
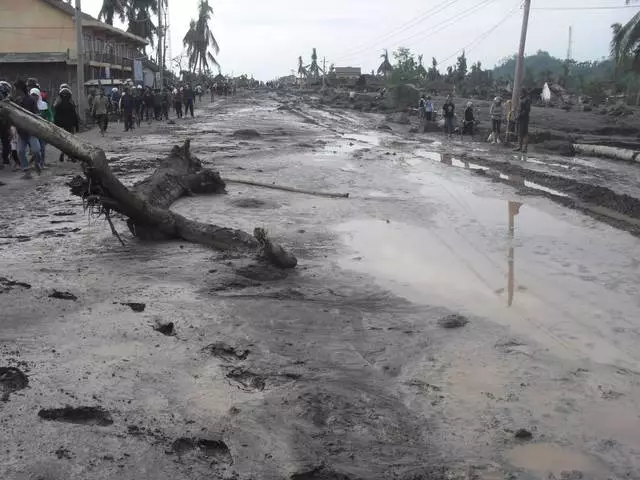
<point>546,459</point>
<point>550,275</point>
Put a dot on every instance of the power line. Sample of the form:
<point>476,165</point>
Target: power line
<point>614,7</point>
<point>447,23</point>
<point>438,27</point>
<point>482,37</point>
<point>403,27</point>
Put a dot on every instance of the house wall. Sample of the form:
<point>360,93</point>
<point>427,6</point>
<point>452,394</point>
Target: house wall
<point>28,26</point>
<point>49,75</point>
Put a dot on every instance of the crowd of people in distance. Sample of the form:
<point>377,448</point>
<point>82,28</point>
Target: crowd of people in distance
<point>517,124</point>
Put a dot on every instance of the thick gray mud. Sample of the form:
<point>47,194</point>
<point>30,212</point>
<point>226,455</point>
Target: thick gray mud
<point>435,315</point>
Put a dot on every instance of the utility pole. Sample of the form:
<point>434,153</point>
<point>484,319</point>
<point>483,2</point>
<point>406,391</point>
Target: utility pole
<point>80,62</point>
<point>517,80</point>
<point>160,49</point>
<point>324,71</point>
<point>570,47</point>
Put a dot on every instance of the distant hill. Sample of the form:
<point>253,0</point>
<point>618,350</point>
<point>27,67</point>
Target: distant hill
<point>542,67</point>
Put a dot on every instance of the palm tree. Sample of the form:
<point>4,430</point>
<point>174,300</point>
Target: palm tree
<point>314,69</point>
<point>139,18</point>
<point>625,44</point>
<point>420,70</point>
<point>111,8</point>
<point>199,40</point>
<point>385,67</point>
<point>302,70</point>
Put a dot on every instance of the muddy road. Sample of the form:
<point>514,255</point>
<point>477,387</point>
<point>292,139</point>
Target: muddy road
<point>463,315</point>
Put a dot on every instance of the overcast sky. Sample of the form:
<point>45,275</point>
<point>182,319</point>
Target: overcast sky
<point>265,38</point>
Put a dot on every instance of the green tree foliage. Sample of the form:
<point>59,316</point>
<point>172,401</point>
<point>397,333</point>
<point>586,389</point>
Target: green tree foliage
<point>433,74</point>
<point>461,68</point>
<point>137,13</point>
<point>405,68</point>
<point>420,70</point>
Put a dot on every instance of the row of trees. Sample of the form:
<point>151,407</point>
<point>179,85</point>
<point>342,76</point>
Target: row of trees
<point>199,41</point>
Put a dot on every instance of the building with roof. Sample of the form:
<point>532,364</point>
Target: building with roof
<point>347,73</point>
<point>38,39</point>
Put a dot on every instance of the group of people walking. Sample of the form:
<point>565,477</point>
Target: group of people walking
<point>137,103</point>
<point>16,142</point>
<point>517,124</point>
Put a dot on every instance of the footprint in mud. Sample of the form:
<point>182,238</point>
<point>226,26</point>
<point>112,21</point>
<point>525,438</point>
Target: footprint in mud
<point>253,203</point>
<point>227,352</point>
<point>253,382</point>
<point>7,285</point>
<point>77,415</point>
<point>11,380</point>
<point>262,272</point>
<point>320,473</point>
<point>215,451</point>
<point>247,380</point>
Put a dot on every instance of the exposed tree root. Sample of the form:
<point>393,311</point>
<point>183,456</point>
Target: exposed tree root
<point>146,205</point>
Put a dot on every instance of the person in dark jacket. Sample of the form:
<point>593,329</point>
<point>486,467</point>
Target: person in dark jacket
<point>149,104</point>
<point>523,121</point>
<point>469,122</point>
<point>127,104</point>
<point>5,127</point>
<point>157,104</point>
<point>65,114</point>
<point>25,140</point>
<point>177,101</point>
<point>448,112</point>
<point>166,101</point>
<point>188,96</point>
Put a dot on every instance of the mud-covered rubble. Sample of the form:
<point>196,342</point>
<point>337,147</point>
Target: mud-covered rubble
<point>390,352</point>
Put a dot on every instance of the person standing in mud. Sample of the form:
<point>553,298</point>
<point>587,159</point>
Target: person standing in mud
<point>148,104</point>
<point>523,121</point>
<point>65,114</point>
<point>25,139</point>
<point>469,122</point>
<point>448,112</point>
<point>496,119</point>
<point>99,111</point>
<point>188,95</point>
<point>177,101</point>
<point>127,105</point>
<point>5,127</point>
<point>166,102</point>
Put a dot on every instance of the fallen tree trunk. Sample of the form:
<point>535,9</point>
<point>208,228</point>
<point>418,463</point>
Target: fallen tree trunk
<point>146,205</point>
<point>608,152</point>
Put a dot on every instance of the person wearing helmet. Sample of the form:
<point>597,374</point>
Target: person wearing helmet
<point>496,119</point>
<point>44,112</point>
<point>25,140</point>
<point>114,97</point>
<point>5,126</point>
<point>177,101</point>
<point>65,115</point>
